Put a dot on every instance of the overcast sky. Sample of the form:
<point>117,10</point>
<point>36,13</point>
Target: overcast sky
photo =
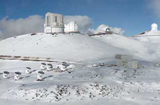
<point>132,16</point>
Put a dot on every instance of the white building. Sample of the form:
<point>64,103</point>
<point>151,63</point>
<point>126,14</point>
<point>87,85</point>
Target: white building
<point>28,69</point>
<point>5,74</point>
<point>49,67</point>
<point>40,75</point>
<point>43,66</point>
<point>71,27</point>
<point>17,76</point>
<point>154,27</point>
<point>126,61</point>
<point>53,23</point>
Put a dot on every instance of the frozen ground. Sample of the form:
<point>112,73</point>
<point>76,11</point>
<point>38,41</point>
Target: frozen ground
<point>83,84</point>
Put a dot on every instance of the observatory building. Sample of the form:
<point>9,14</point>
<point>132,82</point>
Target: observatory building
<point>126,61</point>
<point>53,23</point>
<point>71,27</point>
<point>154,27</point>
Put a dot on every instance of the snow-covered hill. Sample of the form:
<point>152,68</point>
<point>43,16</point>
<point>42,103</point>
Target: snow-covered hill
<point>74,47</point>
<point>78,47</point>
<point>81,84</point>
<point>152,36</point>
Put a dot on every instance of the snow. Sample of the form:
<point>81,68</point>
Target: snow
<point>92,78</point>
<point>152,36</point>
<point>85,85</point>
<point>148,51</point>
<point>75,47</point>
<point>153,32</point>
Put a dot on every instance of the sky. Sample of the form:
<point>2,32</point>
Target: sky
<point>131,16</point>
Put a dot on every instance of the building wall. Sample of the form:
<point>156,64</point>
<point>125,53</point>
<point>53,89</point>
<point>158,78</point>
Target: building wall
<point>124,57</point>
<point>53,30</point>
<point>126,61</point>
<point>119,62</point>
<point>53,23</point>
<point>52,19</point>
<point>71,27</point>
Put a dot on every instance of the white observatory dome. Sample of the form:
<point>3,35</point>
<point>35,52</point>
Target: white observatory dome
<point>108,30</point>
<point>103,29</point>
<point>71,27</point>
<point>154,27</point>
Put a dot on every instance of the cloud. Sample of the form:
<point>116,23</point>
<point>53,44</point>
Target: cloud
<point>102,28</point>
<point>117,30</point>
<point>84,22</point>
<point>35,23</point>
<point>155,6</point>
<point>14,27</point>
<point>1,33</point>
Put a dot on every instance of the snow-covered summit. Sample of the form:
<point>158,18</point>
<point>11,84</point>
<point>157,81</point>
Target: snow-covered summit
<point>153,32</point>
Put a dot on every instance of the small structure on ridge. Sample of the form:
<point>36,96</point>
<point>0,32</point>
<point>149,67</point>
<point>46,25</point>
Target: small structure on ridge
<point>40,75</point>
<point>43,66</point>
<point>154,27</point>
<point>17,76</point>
<point>28,69</point>
<point>5,74</point>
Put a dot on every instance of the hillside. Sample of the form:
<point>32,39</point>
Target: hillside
<point>74,47</point>
<point>143,50</point>
<point>88,82</point>
<point>80,85</point>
